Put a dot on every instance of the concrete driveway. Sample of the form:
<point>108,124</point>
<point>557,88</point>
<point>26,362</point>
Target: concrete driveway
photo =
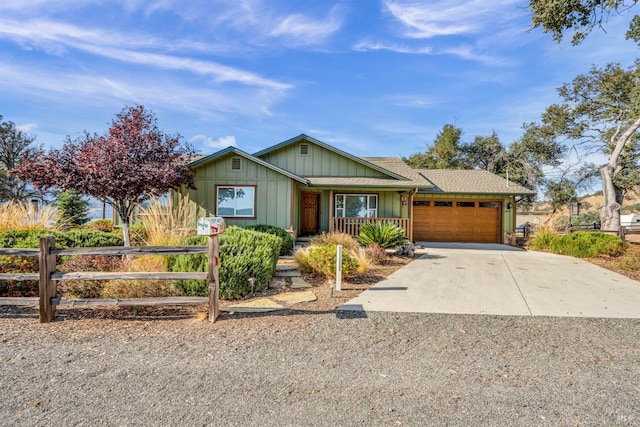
<point>501,280</point>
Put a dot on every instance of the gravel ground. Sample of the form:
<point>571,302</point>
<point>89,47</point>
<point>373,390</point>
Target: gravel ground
<point>316,368</point>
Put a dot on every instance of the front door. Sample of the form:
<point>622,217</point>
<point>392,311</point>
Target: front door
<point>310,213</point>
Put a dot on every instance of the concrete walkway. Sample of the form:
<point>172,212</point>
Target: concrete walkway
<point>501,280</point>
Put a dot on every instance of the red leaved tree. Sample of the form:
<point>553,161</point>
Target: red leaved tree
<point>132,162</point>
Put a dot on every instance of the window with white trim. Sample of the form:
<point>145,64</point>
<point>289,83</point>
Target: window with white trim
<point>357,205</point>
<point>236,201</point>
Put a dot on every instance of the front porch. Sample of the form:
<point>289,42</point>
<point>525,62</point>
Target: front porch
<point>352,225</point>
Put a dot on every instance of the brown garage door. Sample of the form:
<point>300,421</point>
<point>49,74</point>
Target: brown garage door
<point>456,221</point>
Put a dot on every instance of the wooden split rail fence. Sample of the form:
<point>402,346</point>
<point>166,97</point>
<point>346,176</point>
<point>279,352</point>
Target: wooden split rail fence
<point>48,276</point>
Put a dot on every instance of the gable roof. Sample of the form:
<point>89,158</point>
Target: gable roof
<point>470,181</point>
<point>233,150</point>
<point>303,137</point>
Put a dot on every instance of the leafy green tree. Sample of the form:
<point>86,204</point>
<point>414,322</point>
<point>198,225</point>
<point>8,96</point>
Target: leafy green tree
<point>15,146</point>
<point>444,153</point>
<point>601,111</point>
<point>580,16</point>
<point>522,162</point>
<point>487,153</point>
<point>73,209</point>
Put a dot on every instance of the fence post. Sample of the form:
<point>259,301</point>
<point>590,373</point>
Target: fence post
<point>47,287</point>
<point>213,277</point>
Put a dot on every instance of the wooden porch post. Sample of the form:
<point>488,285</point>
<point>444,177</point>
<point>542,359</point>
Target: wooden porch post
<point>410,210</point>
<point>330,211</point>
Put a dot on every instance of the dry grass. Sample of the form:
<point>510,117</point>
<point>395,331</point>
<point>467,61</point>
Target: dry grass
<point>362,257</point>
<point>20,216</point>
<point>169,225</point>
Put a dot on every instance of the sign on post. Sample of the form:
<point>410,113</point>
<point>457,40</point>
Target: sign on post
<point>211,227</point>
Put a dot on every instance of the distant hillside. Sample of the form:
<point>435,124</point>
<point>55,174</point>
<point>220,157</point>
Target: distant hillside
<point>588,204</point>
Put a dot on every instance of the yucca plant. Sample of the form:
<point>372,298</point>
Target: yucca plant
<point>385,234</point>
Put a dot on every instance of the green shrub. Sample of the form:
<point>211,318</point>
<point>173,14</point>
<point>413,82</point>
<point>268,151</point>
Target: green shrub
<point>542,239</point>
<point>587,245</point>
<point>385,234</point>
<point>91,239</point>
<point>69,239</point>
<point>243,254</point>
<point>322,259</point>
<point>286,248</point>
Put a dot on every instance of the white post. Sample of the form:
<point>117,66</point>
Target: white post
<point>339,268</point>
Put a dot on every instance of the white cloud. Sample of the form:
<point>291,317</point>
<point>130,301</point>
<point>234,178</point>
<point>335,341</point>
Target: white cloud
<point>27,127</point>
<point>364,46</point>
<point>44,33</point>
<point>217,144</point>
<point>203,101</point>
<point>445,18</point>
<point>303,30</point>
<point>411,101</point>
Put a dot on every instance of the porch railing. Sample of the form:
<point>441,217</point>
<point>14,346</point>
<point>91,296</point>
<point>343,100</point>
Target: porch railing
<point>352,225</point>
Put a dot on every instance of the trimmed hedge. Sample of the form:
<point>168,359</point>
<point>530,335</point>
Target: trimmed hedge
<point>69,239</point>
<point>243,254</point>
<point>286,248</point>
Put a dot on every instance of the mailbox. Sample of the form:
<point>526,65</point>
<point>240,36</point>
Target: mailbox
<point>211,226</point>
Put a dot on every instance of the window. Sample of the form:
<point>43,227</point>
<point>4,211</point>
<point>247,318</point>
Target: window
<point>357,205</point>
<point>440,204</point>
<point>236,201</point>
<point>421,203</point>
<point>466,204</point>
<point>489,205</point>
<point>304,149</point>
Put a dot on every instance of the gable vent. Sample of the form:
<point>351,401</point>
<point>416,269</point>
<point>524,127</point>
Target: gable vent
<point>304,149</point>
<point>236,165</point>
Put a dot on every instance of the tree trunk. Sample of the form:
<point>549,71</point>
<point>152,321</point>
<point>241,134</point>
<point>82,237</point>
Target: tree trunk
<point>610,212</point>
<point>125,233</point>
<point>613,196</point>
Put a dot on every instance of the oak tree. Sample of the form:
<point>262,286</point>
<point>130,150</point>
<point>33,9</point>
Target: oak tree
<point>601,112</point>
<point>130,163</point>
<point>580,16</point>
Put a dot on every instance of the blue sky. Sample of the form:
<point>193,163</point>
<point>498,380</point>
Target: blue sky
<point>372,77</point>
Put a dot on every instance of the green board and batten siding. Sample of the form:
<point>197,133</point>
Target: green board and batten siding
<point>318,161</point>
<point>273,190</point>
